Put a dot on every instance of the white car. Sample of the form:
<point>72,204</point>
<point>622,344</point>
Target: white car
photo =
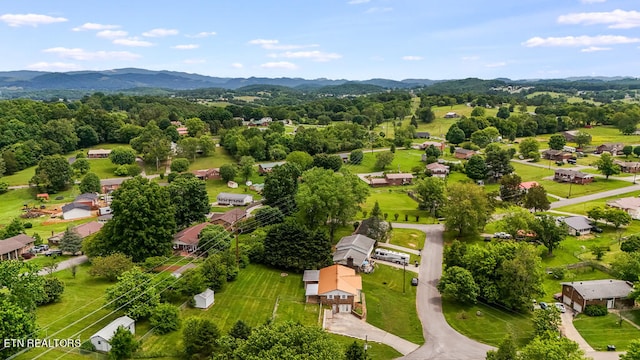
<point>560,307</point>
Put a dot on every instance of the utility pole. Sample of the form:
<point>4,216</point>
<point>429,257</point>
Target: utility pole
<point>237,247</point>
<point>404,276</point>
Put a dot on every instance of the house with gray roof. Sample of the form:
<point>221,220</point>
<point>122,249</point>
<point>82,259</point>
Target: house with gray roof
<point>610,293</point>
<point>234,199</point>
<point>101,339</point>
<point>75,211</point>
<point>354,251</point>
<point>267,167</point>
<point>11,248</point>
<point>577,225</point>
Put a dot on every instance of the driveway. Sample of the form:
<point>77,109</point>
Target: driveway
<point>572,334</point>
<point>66,264</point>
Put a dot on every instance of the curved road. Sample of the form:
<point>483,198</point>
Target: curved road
<point>442,342</point>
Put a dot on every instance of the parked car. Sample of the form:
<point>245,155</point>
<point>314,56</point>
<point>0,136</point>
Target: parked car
<point>543,305</point>
<point>27,255</point>
<point>560,307</point>
<point>596,229</point>
<point>53,253</point>
<point>502,235</point>
<point>414,282</point>
<point>572,161</point>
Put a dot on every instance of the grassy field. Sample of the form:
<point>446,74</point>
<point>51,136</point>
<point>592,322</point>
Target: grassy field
<point>619,334</point>
<point>104,168</point>
<point>387,307</point>
<point>394,199</point>
<point>375,351</point>
<point>403,159</point>
<point>409,238</point>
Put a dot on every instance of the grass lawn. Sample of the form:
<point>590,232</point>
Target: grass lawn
<point>552,286</point>
<point>21,177</point>
<point>219,158</point>
<point>404,159</point>
<point>387,307</point>
<point>582,208</point>
<point>104,168</point>
<point>592,330</point>
<point>409,238</point>
<point>394,200</point>
<point>215,187</point>
<point>375,351</point>
<point>492,326</point>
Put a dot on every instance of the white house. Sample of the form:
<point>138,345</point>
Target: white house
<point>101,339</point>
<point>75,211</point>
<point>234,199</point>
<point>204,299</point>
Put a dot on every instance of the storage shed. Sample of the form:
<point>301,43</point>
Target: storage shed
<point>204,299</point>
<point>102,338</point>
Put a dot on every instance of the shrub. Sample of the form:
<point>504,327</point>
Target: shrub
<point>595,310</point>
<point>28,225</point>
<point>558,273</point>
<point>4,187</point>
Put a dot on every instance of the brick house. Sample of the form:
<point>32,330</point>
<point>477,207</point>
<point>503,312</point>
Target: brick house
<point>335,285</point>
<point>438,170</point>
<point>556,155</point>
<point>208,174</point>
<point>438,145</point>
<point>572,176</point>
<point>610,293</point>
<point>109,185</point>
<point>631,205</point>
<point>463,154</point>
<point>613,148</point>
<point>188,239</point>
<point>228,218</point>
<point>631,167</point>
<point>399,179</point>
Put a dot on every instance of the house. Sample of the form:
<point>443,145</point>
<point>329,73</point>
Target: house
<point>208,174</point>
<point>610,293</point>
<point>613,148</point>
<point>75,211</point>
<point>556,155</point>
<point>183,131</point>
<point>578,225</point>
<point>106,210</point>
<point>88,199</point>
<point>228,218</point>
<point>628,166</point>
<point>525,186</point>
<point>399,179</point>
<point>572,176</point>
<point>98,154</point>
<point>109,185</point>
<point>354,251</point>
<point>335,285</point>
<point>101,339</point>
<point>234,199</point>
<point>438,170</point>
<point>438,145</point>
<point>451,115</point>
<point>83,230</point>
<point>188,239</point>
<point>422,135</point>
<point>267,167</point>
<point>464,154</point>
<point>204,299</point>
<point>12,248</point>
<point>377,181</point>
<point>629,204</point>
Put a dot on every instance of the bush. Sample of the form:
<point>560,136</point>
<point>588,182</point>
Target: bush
<point>558,273</point>
<point>28,225</point>
<point>172,176</point>
<point>4,187</point>
<point>128,170</point>
<point>596,310</point>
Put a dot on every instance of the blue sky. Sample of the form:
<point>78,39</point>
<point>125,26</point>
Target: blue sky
<point>336,39</point>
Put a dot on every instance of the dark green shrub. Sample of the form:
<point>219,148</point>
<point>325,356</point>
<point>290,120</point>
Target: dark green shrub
<point>595,310</point>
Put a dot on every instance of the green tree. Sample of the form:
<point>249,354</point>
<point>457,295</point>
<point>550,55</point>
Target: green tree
<point>326,161</point>
<point>90,183</point>
<point>71,241</point>
<point>557,142</point>
<point>291,245</point>
<point>606,165</point>
<point>87,136</point>
<point>515,220</point>
<point>135,293</point>
<point>478,111</point>
<point>617,217</point>
<point>633,351</point>
<point>636,151</point>
<point>199,336</point>
<point>214,238</point>
<point>240,330</point>
<point>457,284</point>
<point>281,186</point>
<point>383,159</point>
<point>143,223</point>
<point>632,244</point>
<point>582,138</point>
<point>521,278</point>
<point>548,232</point>
<point>191,282</point>
<point>188,148</point>
<point>536,198</point>
<point>529,148</point>
<point>507,350</point>
<point>215,271</point>
<point>627,150</point>
<point>476,168</point>
<point>123,344</point>
<point>510,190</point>
<point>165,318</point>
<point>180,165</point>
<point>468,208</point>
<point>15,227</point>
<point>425,114</point>
<point>551,348</point>
<point>356,157</point>
<point>53,174</point>
<point>268,215</point>
<point>455,135</point>
<point>431,193</point>
<point>498,161</point>
<point>355,351</point>
<point>626,266</point>
<point>17,323</point>
<point>247,164</point>
<point>195,127</point>
<point>228,172</point>
<point>206,145</point>
<point>122,156</point>
<point>300,158</point>
<point>81,166</point>
<point>503,112</point>
<point>53,289</point>
<point>153,144</point>
<point>189,197</point>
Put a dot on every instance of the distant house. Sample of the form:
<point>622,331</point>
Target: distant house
<point>613,148</point>
<point>438,145</point>
<point>628,166</point>
<point>101,339</point>
<point>267,167</point>
<point>83,230</point>
<point>183,131</point>
<point>335,285</point>
<point>354,251</point>
<point>98,154</point>
<point>438,170</point>
<point>610,293</point>
<point>204,299</point>
<point>75,211</point>
<point>629,204</point>
<point>188,239</point>
<point>463,154</point>
<point>228,218</point>
<point>88,199</point>
<point>399,179</point>
<point>234,199</point>
<point>570,135</point>
<point>422,135</point>
<point>578,225</point>
<point>572,176</point>
<point>377,181</point>
<point>526,185</point>
<point>12,248</point>
<point>556,155</point>
<point>451,115</point>
<point>109,185</point>
<point>207,174</point>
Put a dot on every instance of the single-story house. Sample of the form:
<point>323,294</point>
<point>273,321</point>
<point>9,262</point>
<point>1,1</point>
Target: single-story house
<point>629,204</point>
<point>571,135</point>
<point>83,230</point>
<point>422,135</point>
<point>228,218</point>
<point>438,145</point>
<point>354,251</point>
<point>109,185</point>
<point>182,131</point>
<point>610,293</point>
<point>11,248</point>
<point>613,148</point>
<point>204,299</point>
<point>399,179</point>
<point>631,167</point>
<point>89,199</point>
<point>207,174</point>
<point>438,170</point>
<point>188,239</point>
<point>335,285</point>
<point>526,185</point>
<point>578,225</point>
<point>234,199</point>
<point>572,176</point>
<point>98,154</point>
<point>101,339</point>
<point>451,115</point>
<point>464,154</point>
<point>75,211</point>
<point>556,155</point>
<point>267,167</point>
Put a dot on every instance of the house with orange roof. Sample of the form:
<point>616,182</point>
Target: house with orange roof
<point>335,285</point>
<point>526,185</point>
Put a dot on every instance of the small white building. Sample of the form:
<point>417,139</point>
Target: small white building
<point>204,299</point>
<point>234,199</point>
<point>232,184</point>
<point>102,338</point>
<point>75,211</point>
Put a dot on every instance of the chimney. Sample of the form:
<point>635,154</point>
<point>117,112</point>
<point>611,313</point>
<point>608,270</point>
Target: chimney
<point>350,262</point>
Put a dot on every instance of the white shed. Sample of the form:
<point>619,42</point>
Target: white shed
<point>102,338</point>
<point>204,299</point>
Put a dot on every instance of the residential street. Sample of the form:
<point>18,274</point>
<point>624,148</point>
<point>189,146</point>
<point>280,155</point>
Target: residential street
<point>600,195</point>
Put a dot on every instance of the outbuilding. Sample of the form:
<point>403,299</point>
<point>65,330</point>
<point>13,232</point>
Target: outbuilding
<point>204,299</point>
<point>101,339</point>
<point>234,199</point>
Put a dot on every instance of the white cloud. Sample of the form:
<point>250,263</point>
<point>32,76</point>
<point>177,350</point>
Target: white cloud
<point>412,58</point>
<point>160,32</point>
<point>272,44</point>
<point>314,55</point>
<point>580,41</point>
<point>470,58</point>
<point>496,64</point>
<point>374,10</point>
<point>186,47</point>
<point>592,1</point>
<point>81,54</point>
<point>355,2</point>
<point>54,66</point>
<point>94,26</point>
<point>595,48</point>
<point>111,34</point>
<point>133,42</point>
<point>194,61</point>
<point>34,20</point>
<point>279,65</point>
<point>237,65</point>
<point>203,34</point>
<point>616,19</point>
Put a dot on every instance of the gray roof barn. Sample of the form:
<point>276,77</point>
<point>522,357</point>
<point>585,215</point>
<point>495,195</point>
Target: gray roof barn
<point>601,289</point>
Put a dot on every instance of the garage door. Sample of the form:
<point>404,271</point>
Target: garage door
<point>566,300</point>
<point>577,307</point>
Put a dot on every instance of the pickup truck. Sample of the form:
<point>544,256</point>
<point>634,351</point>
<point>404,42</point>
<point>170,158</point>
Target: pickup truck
<point>53,253</point>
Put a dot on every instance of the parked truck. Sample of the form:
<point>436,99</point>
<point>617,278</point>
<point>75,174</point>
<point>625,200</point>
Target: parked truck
<point>392,256</point>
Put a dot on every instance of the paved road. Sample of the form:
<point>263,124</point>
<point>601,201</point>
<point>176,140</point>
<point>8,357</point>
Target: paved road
<point>600,195</point>
<point>442,341</point>
<point>62,265</point>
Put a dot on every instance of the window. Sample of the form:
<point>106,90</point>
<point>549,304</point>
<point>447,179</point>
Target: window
<point>343,297</point>
<point>330,297</point>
